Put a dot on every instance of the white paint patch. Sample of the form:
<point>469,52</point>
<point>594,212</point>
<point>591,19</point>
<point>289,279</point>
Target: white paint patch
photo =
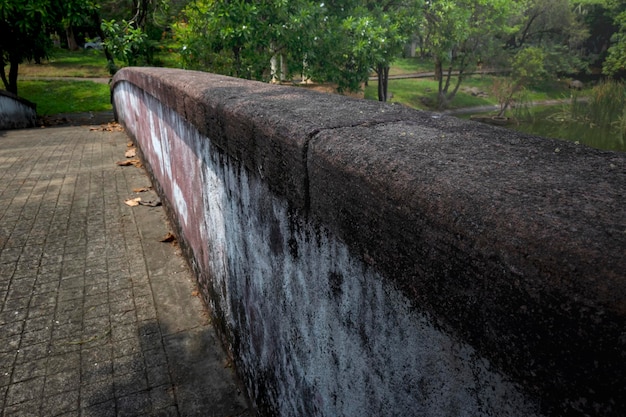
<point>181,205</point>
<point>15,115</point>
<point>316,332</point>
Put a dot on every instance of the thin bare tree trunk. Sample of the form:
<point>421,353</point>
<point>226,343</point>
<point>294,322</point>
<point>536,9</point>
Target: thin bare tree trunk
<point>383,81</point>
<point>3,74</point>
<point>14,65</point>
<point>72,45</point>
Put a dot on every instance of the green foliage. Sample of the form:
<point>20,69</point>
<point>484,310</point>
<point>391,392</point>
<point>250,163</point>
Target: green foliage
<point>228,37</point>
<point>606,105</point>
<point>555,26</point>
<point>373,37</point>
<point>78,12</point>
<point>26,27</point>
<point>604,109</point>
<point>338,43</point>
<point>527,65</point>
<point>460,34</point>
<point>126,42</point>
<point>147,14</point>
<point>616,59</point>
<point>24,36</point>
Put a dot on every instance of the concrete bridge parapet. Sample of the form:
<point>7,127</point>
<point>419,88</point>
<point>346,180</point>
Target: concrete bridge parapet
<point>362,258</point>
<point>15,112</point>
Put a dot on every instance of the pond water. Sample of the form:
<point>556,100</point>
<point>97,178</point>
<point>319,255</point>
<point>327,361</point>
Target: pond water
<point>543,125</point>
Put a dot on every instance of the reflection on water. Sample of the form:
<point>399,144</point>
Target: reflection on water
<point>543,124</point>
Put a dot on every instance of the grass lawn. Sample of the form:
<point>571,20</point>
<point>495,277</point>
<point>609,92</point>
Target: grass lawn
<point>416,92</point>
<point>410,66</point>
<point>53,97</point>
<point>68,96</point>
<point>62,63</point>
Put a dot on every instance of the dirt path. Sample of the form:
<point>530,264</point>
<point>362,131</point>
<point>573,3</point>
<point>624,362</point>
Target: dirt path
<point>100,80</point>
<point>432,74</point>
<point>488,108</point>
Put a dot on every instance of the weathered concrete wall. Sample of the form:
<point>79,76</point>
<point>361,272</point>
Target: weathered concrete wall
<point>16,113</point>
<point>366,259</point>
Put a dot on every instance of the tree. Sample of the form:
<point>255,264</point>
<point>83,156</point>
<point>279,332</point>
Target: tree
<point>526,66</point>
<point>600,25</point>
<point>144,13</point>
<point>337,42</point>
<point>616,60</point>
<point>616,55</point>
<point>124,41</point>
<point>460,35</point>
<point>76,13</point>
<point>223,36</point>
<point>376,35</point>
<point>131,29</point>
<point>24,34</point>
<point>26,26</point>
<point>557,28</point>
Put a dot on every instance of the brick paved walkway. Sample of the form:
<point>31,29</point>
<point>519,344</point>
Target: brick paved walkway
<point>97,317</point>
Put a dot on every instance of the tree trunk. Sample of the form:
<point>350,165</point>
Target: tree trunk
<point>12,87</point>
<point>72,45</point>
<point>442,101</point>
<point>237,55</point>
<point>110,60</point>
<point>140,13</point>
<point>438,69</point>
<point>386,82</point>
<point>3,74</point>
<point>383,81</point>
<point>459,80</point>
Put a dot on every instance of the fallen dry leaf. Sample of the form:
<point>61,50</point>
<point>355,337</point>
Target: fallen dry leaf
<point>155,203</point>
<point>133,202</point>
<point>109,127</point>
<point>142,189</point>
<point>130,144</point>
<point>135,162</point>
<point>169,237</point>
<point>195,293</point>
<point>131,153</point>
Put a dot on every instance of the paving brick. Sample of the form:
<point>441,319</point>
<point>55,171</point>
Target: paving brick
<point>10,327</point>
<point>66,380</point>
<point>80,333</point>
<point>129,383</point>
<point>29,370</point>
<point>98,392</point>
<point>61,346</point>
<point>31,352</point>
<point>134,404</point>
<point>63,362</point>
<point>26,409</point>
<point>62,404</point>
<point>104,409</point>
<point>36,337</point>
<point>9,343</point>
<point>29,390</point>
